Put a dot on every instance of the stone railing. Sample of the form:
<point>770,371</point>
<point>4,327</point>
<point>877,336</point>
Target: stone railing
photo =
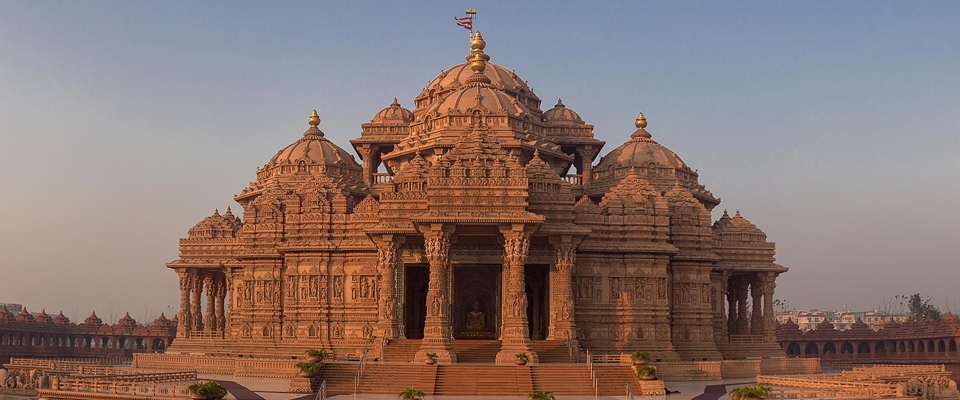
<point>72,388</point>
<point>731,369</point>
<point>746,339</point>
<point>380,178</point>
<point>52,362</point>
<point>826,387</point>
<point>249,367</point>
<point>575,180</point>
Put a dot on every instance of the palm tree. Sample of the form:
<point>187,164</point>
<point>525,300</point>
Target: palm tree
<point>412,394</point>
<point>541,396</point>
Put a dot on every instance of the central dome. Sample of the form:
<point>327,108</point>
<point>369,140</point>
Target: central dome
<point>457,76</point>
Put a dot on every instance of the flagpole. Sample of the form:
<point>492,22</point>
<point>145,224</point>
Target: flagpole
<point>471,13</point>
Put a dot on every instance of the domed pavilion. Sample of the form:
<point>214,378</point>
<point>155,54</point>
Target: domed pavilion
<point>476,216</point>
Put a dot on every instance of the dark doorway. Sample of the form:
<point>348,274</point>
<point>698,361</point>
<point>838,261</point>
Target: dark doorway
<point>538,300</point>
<point>476,300</point>
<point>416,284</point>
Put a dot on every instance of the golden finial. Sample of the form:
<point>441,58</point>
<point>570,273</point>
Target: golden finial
<point>314,119</point>
<point>477,43</point>
<point>478,65</point>
<point>641,121</point>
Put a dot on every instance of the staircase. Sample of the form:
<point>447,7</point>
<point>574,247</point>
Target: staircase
<point>567,380</point>
<point>486,380</point>
<point>612,379</point>
<point>400,350</point>
<point>339,377</point>
<point>475,351</point>
<point>551,351</point>
<point>393,379</point>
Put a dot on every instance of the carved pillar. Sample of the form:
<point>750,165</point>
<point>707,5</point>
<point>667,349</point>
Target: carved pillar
<point>732,300</point>
<point>185,318</point>
<point>769,316</point>
<point>228,313</point>
<point>516,330</point>
<point>366,153</point>
<point>388,264</point>
<point>210,317</point>
<point>718,292</point>
<point>437,240</point>
<point>756,318</point>
<point>564,325</point>
<point>586,169</point>
<point>196,285</point>
<point>221,291</point>
<point>743,323</point>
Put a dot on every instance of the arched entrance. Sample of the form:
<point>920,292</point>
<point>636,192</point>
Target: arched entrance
<point>476,300</point>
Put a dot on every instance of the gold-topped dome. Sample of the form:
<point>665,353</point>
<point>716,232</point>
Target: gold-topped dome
<point>312,149</point>
<point>641,151</point>
<point>561,115</point>
<point>394,113</point>
<point>477,63</point>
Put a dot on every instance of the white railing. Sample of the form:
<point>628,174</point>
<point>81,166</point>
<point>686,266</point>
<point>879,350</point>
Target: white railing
<point>570,351</point>
<point>629,393</point>
<point>593,376</point>
<point>382,178</point>
<point>322,391</point>
<point>575,180</point>
<point>359,374</point>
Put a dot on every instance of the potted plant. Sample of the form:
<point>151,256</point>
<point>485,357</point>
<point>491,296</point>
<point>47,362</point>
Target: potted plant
<point>522,359</point>
<point>646,372</point>
<point>541,396</point>
<point>307,369</point>
<point>431,358</point>
<point>750,392</point>
<point>412,394</point>
<point>640,357</point>
<point>317,356</point>
<point>206,390</point>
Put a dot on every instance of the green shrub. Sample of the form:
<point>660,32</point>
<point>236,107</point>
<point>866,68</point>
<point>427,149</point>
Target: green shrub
<point>523,357</point>
<point>640,356</point>
<point>207,389</point>
<point>308,367</point>
<point>646,370</point>
<point>412,394</point>
<point>541,396</point>
<point>749,391</point>
<point>432,356</point>
<point>321,354</point>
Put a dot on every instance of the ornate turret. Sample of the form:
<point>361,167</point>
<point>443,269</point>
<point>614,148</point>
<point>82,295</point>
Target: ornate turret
<point>93,320</point>
<point>43,318</point>
<point>127,322</point>
<point>24,316</point>
<point>60,319</point>
<point>6,316</point>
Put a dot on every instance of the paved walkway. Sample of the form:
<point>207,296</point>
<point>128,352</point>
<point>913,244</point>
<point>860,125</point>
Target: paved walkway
<point>239,392</point>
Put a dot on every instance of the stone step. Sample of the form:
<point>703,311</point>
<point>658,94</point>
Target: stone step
<point>393,379</point>
<point>476,351</point>
<point>551,351</point>
<point>487,380</point>
<point>401,350</point>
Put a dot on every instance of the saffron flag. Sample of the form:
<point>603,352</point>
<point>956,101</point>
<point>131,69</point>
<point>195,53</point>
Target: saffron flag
<point>466,22</point>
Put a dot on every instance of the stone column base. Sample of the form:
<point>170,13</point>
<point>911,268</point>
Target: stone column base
<point>510,348</point>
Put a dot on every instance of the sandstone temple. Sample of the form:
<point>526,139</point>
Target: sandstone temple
<point>477,216</point>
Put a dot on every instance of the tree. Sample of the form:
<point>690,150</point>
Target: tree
<point>920,308</point>
<point>896,305</point>
<point>781,305</point>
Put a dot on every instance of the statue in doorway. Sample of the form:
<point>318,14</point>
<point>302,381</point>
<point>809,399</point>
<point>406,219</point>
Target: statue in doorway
<point>475,318</point>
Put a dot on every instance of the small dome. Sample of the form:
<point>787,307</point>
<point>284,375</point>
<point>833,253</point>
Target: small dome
<point>25,316</point>
<point>312,150</point>
<point>60,319</point>
<point>127,321</point>
<point>738,227</point>
<point>43,318</point>
<point>5,315</point>
<point>93,319</point>
<point>393,114</point>
<point>216,226</point>
<point>641,151</point>
<point>561,115</point>
<point>162,321</point>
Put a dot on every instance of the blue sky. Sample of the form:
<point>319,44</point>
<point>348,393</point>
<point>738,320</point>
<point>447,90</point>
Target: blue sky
<point>831,125</point>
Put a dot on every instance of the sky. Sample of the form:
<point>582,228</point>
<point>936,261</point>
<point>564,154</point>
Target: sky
<point>833,126</point>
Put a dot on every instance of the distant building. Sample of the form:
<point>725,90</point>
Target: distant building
<point>14,308</point>
<point>841,320</point>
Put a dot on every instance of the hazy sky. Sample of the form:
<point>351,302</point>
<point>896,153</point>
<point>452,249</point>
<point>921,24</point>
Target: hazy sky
<point>831,125</point>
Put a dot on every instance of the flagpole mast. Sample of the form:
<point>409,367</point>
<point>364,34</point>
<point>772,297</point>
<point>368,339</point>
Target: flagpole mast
<point>471,13</point>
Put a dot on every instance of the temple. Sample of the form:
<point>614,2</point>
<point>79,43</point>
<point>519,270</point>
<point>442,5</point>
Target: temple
<point>477,217</point>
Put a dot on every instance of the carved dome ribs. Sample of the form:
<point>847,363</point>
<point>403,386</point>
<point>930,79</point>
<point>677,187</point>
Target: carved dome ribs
<point>652,161</point>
